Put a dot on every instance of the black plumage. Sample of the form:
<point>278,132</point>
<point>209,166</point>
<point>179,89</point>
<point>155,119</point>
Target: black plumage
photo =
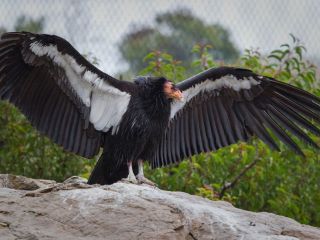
<point>83,109</point>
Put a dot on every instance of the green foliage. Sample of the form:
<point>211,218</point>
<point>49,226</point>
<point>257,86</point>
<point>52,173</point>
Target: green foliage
<point>24,23</point>
<point>250,175</point>
<point>28,24</point>
<point>205,59</point>
<point>175,32</point>
<point>163,64</point>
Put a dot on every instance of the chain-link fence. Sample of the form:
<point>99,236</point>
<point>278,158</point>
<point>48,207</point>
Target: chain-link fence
<point>99,27</point>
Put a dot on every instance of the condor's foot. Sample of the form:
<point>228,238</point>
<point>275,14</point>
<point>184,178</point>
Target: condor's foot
<point>142,179</point>
<point>130,179</point>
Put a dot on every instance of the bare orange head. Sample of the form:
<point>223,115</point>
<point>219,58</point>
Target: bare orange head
<point>171,91</point>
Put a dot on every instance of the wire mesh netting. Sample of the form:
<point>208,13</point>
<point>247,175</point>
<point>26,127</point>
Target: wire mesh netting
<point>98,28</point>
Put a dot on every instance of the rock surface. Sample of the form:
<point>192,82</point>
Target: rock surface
<point>41,209</point>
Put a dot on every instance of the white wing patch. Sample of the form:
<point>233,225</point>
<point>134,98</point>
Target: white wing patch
<point>228,81</point>
<point>107,110</point>
<point>107,103</point>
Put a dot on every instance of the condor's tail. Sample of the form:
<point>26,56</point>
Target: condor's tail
<point>105,171</point>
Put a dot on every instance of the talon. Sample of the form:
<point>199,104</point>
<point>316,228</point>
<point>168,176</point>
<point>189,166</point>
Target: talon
<point>129,180</point>
<point>141,179</point>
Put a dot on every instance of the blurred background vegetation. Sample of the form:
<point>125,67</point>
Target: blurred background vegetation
<point>182,25</point>
<point>249,175</point>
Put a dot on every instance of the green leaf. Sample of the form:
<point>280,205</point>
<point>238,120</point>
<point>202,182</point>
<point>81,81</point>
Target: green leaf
<point>298,50</point>
<point>149,56</point>
<point>280,52</point>
<point>167,57</point>
<point>275,57</point>
<point>285,45</point>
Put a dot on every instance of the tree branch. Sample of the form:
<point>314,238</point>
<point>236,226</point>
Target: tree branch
<point>229,185</point>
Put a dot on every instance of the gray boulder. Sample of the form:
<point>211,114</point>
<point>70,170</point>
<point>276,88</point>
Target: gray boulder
<point>42,209</point>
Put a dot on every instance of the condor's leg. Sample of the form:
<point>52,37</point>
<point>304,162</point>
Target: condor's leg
<point>131,177</point>
<point>140,177</point>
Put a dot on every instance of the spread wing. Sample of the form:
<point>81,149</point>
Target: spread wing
<point>225,105</point>
<point>60,92</point>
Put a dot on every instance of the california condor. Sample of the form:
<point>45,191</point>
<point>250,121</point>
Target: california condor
<point>83,109</point>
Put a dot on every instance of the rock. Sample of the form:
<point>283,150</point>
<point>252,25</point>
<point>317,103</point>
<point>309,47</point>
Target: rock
<point>22,183</point>
<point>39,209</point>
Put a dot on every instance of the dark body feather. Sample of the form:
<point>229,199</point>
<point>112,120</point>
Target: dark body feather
<point>138,135</point>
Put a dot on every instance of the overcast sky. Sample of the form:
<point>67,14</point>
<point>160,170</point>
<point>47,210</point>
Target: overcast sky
<point>98,26</point>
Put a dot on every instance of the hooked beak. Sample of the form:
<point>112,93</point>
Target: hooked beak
<point>177,94</point>
<point>172,92</point>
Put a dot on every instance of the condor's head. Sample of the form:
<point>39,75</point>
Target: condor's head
<point>156,87</point>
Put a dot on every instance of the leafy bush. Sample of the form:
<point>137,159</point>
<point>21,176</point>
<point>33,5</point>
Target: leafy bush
<point>250,175</point>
